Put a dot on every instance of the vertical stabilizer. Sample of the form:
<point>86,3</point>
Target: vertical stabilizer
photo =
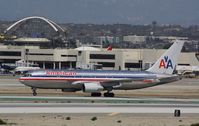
<point>167,62</point>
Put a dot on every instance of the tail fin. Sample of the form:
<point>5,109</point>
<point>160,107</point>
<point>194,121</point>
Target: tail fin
<point>167,62</point>
<point>109,48</point>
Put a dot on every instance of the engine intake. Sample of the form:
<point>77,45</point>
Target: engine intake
<point>92,87</point>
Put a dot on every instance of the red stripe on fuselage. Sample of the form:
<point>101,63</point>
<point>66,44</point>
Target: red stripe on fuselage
<point>147,81</point>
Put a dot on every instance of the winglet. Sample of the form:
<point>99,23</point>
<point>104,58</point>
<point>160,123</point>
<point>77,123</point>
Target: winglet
<point>167,62</point>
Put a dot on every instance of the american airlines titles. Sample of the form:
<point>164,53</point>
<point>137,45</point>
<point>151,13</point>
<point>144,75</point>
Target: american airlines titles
<point>60,73</point>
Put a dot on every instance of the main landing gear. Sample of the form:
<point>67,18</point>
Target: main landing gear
<point>109,94</point>
<point>34,92</point>
<point>98,94</point>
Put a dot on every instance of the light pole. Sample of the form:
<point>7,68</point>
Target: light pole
<point>26,57</point>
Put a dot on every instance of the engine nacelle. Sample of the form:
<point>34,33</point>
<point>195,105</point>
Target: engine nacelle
<point>92,87</point>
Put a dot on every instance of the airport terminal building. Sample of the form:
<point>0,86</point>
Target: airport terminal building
<point>123,59</point>
<point>40,41</point>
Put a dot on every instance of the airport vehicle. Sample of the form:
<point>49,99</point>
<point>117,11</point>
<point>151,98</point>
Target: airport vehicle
<point>96,81</point>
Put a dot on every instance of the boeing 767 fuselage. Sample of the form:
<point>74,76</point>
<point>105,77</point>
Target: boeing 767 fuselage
<point>95,81</point>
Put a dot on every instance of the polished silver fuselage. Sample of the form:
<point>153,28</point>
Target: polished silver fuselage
<point>74,79</point>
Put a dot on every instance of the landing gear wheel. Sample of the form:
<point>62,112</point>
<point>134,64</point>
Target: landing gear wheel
<point>108,94</point>
<point>96,94</point>
<point>34,92</point>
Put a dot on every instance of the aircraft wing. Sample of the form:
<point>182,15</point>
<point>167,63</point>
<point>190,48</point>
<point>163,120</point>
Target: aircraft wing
<point>102,84</point>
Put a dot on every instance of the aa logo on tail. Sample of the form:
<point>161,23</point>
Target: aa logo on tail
<point>166,63</point>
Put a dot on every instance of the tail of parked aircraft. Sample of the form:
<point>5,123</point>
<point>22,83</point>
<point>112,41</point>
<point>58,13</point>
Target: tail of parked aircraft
<point>109,48</point>
<point>167,62</point>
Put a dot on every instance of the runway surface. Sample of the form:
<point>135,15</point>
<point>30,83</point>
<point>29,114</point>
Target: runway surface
<point>95,108</point>
<point>31,104</point>
<point>182,95</point>
<point>115,100</point>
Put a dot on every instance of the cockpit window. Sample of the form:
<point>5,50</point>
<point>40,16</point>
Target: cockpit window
<point>27,75</point>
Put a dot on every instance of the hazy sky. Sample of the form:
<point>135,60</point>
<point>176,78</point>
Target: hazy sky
<point>184,12</point>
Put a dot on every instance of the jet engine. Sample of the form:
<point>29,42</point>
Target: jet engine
<point>92,87</point>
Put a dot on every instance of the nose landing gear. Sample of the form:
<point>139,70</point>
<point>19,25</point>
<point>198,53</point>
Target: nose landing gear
<point>109,93</point>
<point>34,92</point>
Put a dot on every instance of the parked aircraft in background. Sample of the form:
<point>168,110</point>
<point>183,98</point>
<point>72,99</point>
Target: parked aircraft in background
<point>187,71</point>
<point>20,67</point>
<point>96,81</point>
<point>7,68</point>
<point>25,69</point>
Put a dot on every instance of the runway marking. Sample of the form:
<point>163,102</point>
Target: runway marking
<point>113,114</point>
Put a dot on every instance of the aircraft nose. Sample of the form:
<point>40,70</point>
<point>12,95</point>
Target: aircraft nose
<point>21,80</point>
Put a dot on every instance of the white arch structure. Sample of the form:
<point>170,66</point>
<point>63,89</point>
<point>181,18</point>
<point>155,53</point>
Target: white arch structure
<point>51,23</point>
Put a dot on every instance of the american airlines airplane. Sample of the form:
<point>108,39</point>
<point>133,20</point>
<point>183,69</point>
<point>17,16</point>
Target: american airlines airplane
<point>96,81</point>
